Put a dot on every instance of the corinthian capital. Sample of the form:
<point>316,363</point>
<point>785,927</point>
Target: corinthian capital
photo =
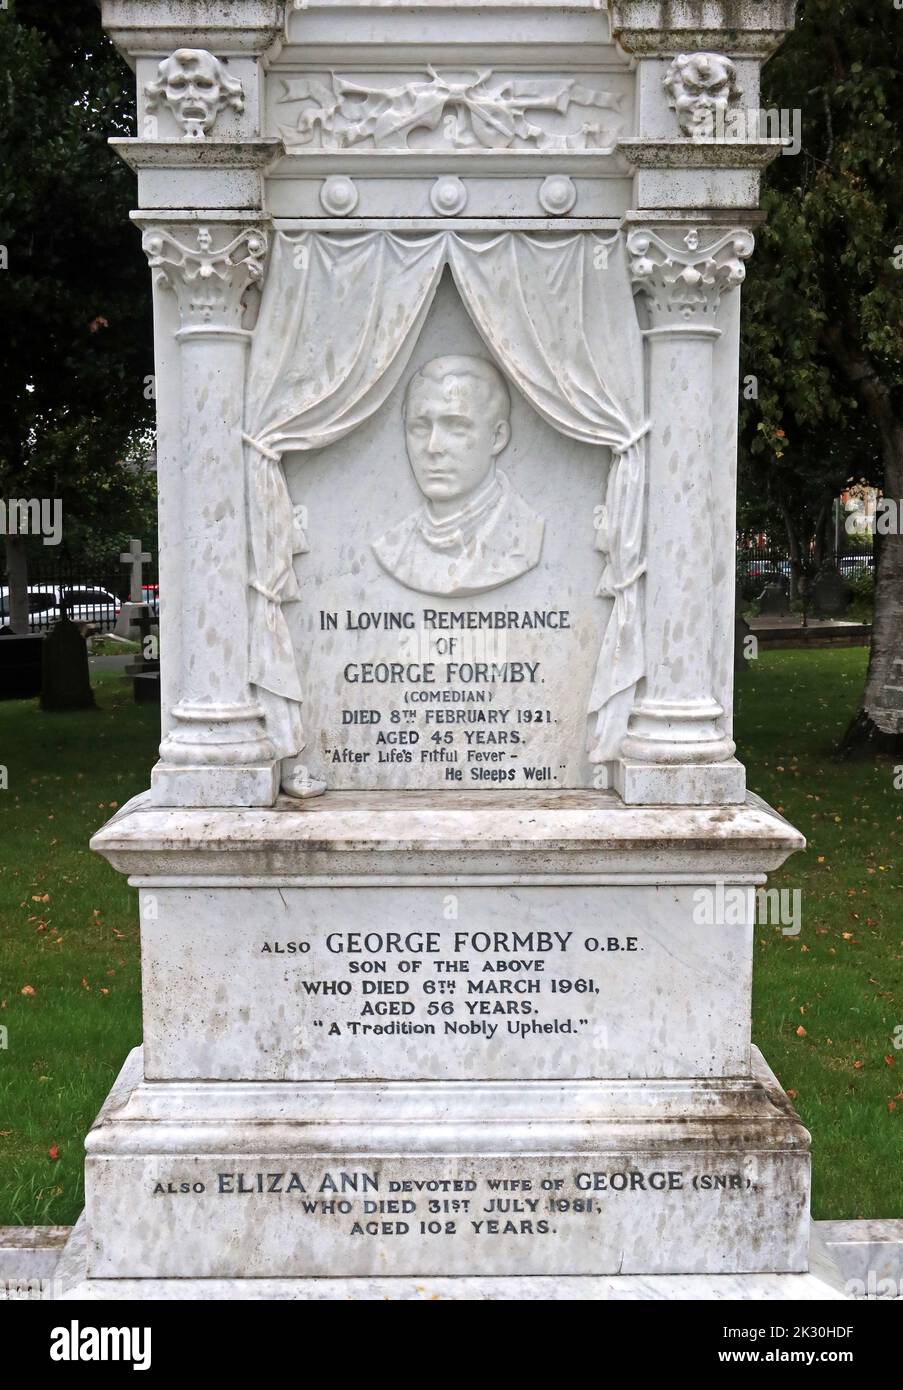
<point>685,283</point>
<point>210,283</point>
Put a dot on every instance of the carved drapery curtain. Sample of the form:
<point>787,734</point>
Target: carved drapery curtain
<point>339,320</point>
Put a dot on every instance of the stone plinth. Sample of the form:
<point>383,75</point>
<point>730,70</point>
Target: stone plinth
<point>445,1033</point>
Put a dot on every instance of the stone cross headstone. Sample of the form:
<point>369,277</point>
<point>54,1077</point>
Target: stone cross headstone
<point>447,864</point>
<point>134,617</point>
<point>135,622</point>
<point>136,559</point>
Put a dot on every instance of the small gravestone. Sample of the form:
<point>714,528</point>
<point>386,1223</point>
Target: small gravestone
<point>773,602</point>
<point>830,594</point>
<point>65,681</point>
<point>20,664</point>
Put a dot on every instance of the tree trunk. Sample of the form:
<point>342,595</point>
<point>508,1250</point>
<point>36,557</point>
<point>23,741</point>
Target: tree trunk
<point>793,549</point>
<point>878,726</point>
<point>17,577</point>
<point>883,698</point>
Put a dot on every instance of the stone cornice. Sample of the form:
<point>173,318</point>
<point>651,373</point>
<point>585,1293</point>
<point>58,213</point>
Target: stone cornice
<point>663,28</point>
<point>700,154</point>
<point>413,832</point>
<point>197,154</point>
<point>147,27</point>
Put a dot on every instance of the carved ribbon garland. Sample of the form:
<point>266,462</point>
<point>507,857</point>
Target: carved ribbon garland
<point>476,111</point>
<point>340,317</point>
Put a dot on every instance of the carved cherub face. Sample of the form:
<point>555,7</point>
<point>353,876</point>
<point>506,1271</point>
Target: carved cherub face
<point>702,86</point>
<point>456,423</point>
<point>196,87</point>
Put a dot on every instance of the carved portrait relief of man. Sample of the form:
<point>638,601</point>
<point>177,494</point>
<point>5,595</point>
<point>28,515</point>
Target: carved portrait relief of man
<point>474,531</point>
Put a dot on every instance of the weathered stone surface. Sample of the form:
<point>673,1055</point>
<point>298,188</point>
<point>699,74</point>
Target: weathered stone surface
<point>447,389</point>
<point>646,1177</point>
<point>458,982</point>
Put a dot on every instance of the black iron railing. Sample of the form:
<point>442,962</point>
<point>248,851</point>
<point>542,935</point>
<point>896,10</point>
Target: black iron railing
<point>90,595</point>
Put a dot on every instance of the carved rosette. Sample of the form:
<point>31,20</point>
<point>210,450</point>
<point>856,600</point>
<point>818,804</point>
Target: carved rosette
<point>210,284</point>
<point>685,283</point>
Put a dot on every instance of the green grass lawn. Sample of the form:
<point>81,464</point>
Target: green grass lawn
<point>826,1003</point>
<point>69,935</point>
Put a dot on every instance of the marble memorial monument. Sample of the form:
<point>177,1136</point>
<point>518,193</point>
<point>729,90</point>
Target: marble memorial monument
<point>446,326</point>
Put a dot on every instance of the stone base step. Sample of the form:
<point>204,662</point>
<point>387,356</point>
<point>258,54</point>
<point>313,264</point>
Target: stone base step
<point>821,1284</point>
<point>235,1180</point>
<point>868,1255</point>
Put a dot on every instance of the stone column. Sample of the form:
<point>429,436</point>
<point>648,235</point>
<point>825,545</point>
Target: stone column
<point>216,752</point>
<point>677,750</point>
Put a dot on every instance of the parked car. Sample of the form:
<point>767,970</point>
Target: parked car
<point>92,608</point>
<point>851,565</point>
<point>763,572</point>
<point>152,599</point>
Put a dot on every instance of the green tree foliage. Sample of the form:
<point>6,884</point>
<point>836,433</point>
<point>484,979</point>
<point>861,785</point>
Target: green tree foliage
<point>77,345</point>
<point>823,305</point>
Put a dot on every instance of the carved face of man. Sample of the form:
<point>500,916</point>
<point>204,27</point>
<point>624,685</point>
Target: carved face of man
<point>196,87</point>
<point>702,86</point>
<point>456,424</point>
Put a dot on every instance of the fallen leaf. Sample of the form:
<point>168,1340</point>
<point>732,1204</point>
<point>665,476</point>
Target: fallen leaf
<point>28,989</point>
<point>53,1152</point>
<point>801,1032</point>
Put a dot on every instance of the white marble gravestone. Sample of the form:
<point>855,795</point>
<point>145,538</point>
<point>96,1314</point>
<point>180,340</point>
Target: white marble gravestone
<point>439,977</point>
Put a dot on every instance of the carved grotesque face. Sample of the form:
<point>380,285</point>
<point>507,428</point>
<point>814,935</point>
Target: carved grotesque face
<point>455,427</point>
<point>196,87</point>
<point>702,86</point>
